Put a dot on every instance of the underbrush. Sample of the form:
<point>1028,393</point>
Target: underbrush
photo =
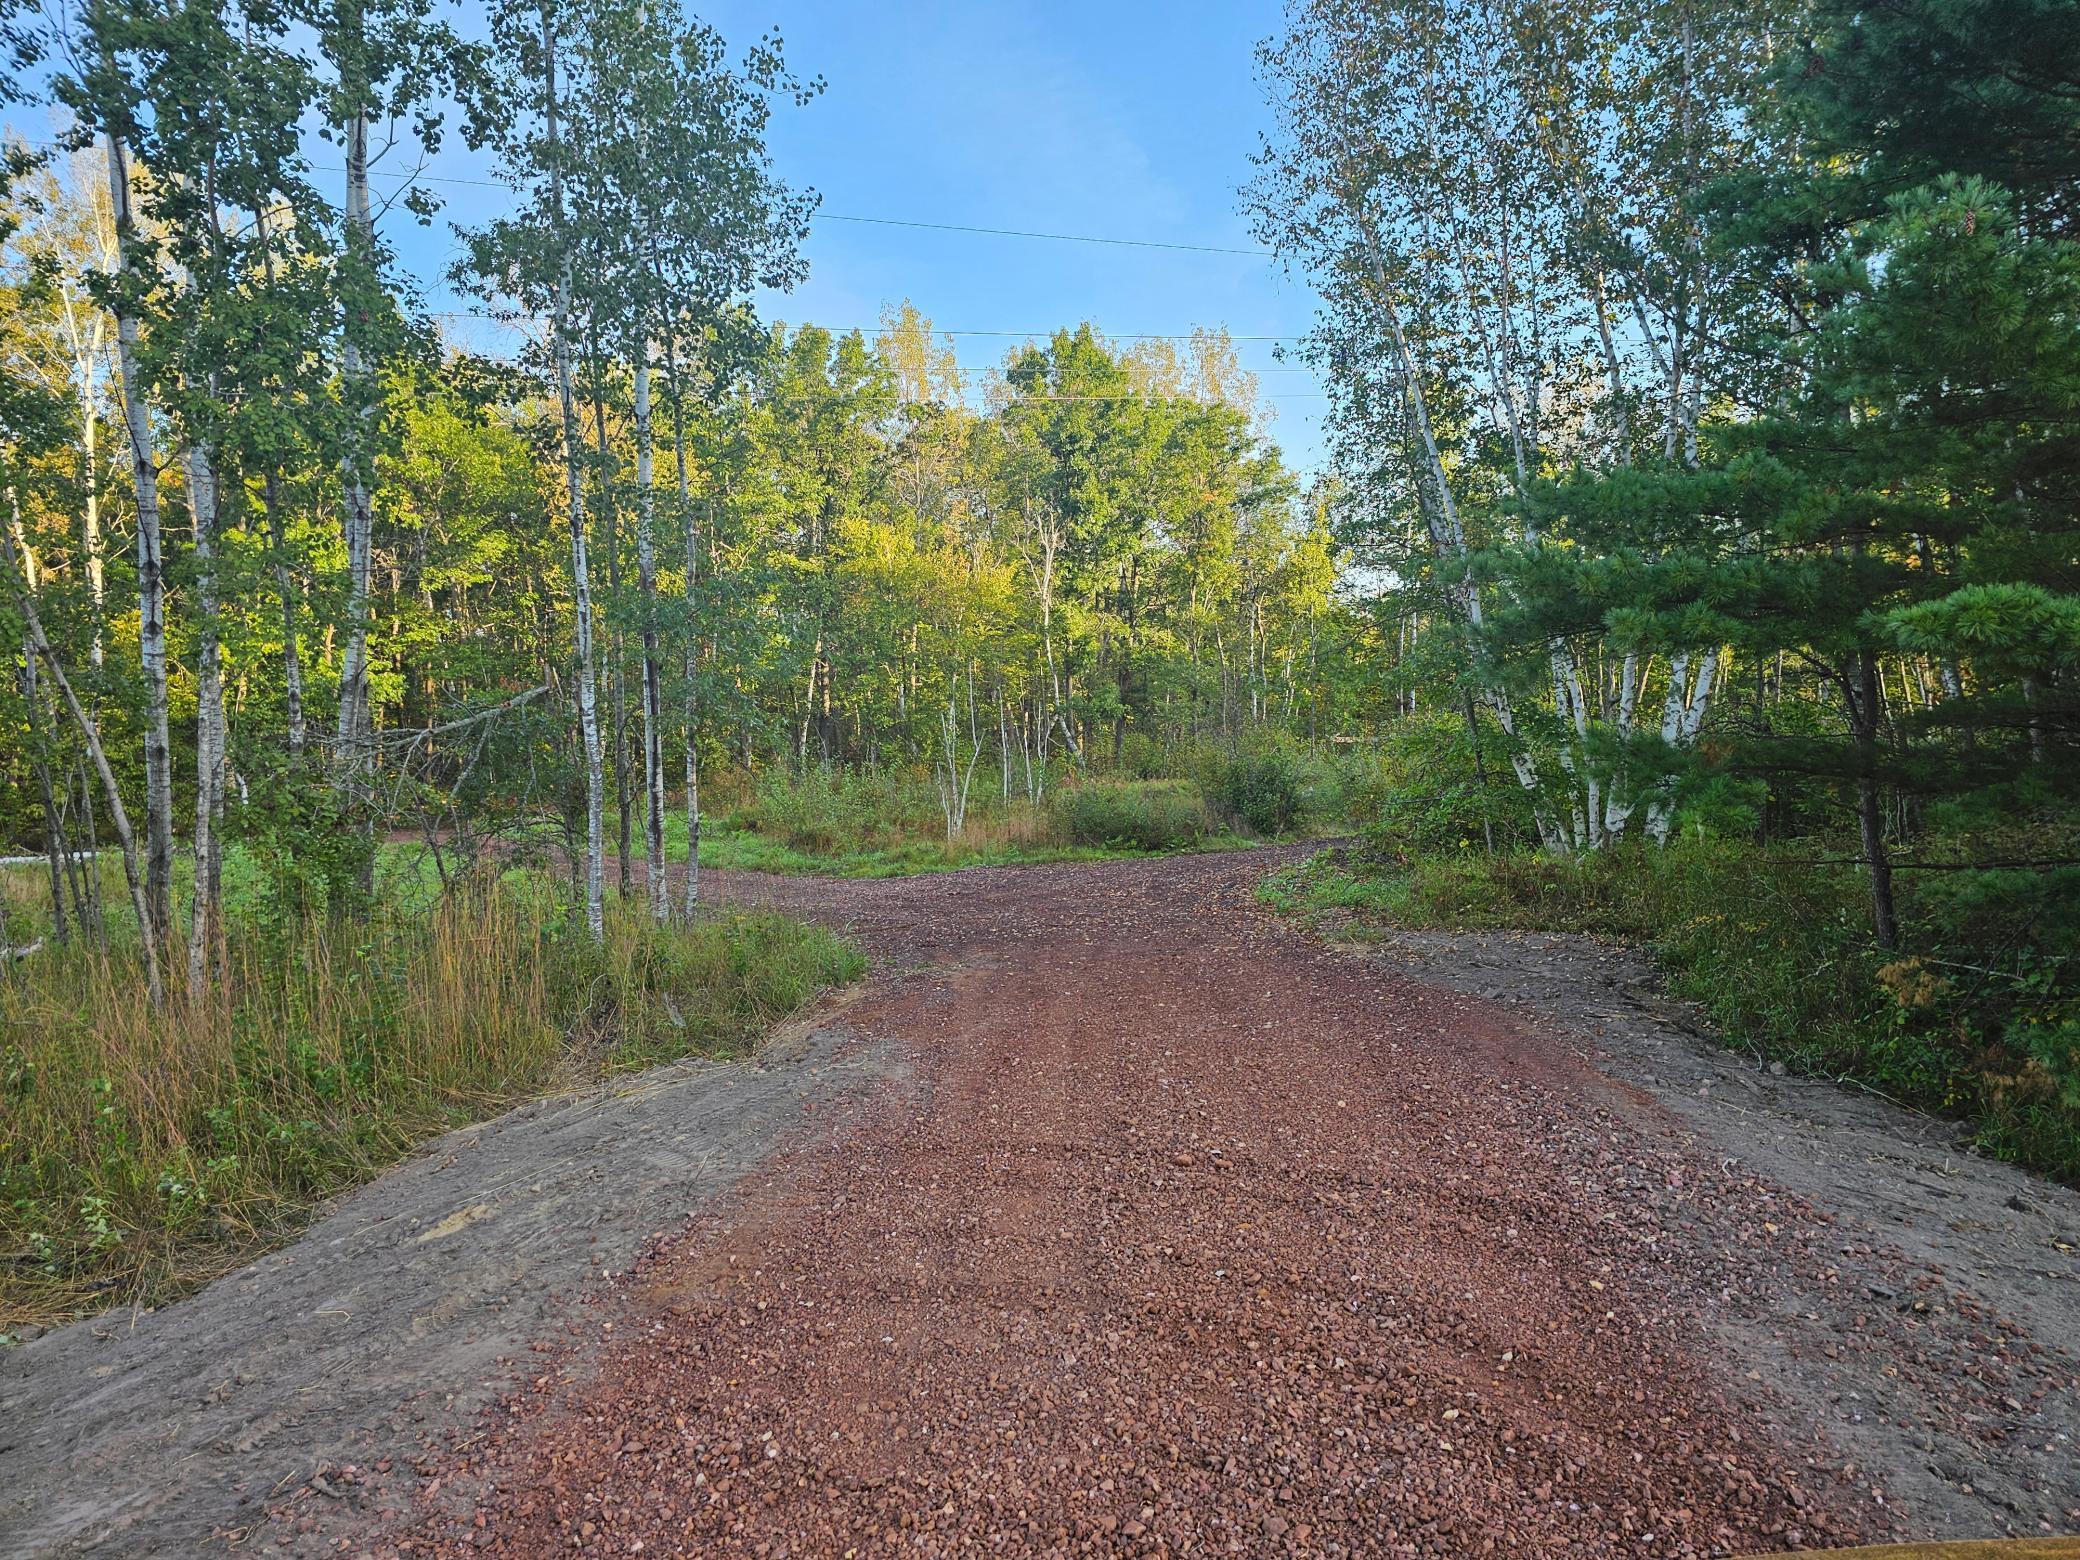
<point>142,1152</point>
<point>1277,788</point>
<point>1970,1019</point>
<point>880,823</point>
<point>829,812</point>
<point>1142,815</point>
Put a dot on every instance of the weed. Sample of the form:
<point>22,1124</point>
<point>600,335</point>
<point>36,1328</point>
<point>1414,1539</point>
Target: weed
<point>141,1151</point>
<point>1146,815</point>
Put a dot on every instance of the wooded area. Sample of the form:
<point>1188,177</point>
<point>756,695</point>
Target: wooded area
<point>782,546</point>
<point>1701,505</point>
<point>310,600</point>
<point>1705,381</point>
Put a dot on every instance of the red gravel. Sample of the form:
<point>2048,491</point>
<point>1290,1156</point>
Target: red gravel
<point>1186,1235</point>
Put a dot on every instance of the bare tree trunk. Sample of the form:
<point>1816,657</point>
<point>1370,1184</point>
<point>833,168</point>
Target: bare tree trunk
<point>82,866</point>
<point>653,682</point>
<point>1447,534</point>
<point>151,580</point>
<point>581,574</point>
<point>55,848</point>
<point>140,902</point>
<point>354,727</point>
<point>86,352</point>
<point>205,916</point>
<point>692,898</point>
<point>1863,716</point>
<point>607,512</point>
<point>801,740</point>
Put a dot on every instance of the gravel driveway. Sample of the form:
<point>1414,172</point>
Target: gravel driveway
<point>1157,1226</point>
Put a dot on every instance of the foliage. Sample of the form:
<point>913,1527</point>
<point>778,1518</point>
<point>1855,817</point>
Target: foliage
<point>1433,796</point>
<point>1263,790</point>
<point>829,810</point>
<point>1145,815</point>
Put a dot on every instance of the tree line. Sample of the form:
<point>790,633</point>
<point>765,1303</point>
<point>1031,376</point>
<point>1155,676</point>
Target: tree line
<point>289,569</point>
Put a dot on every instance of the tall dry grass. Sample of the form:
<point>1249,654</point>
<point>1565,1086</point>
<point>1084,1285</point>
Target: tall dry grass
<point>142,1151</point>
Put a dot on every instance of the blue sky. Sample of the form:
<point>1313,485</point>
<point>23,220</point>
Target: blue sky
<point>1132,119</point>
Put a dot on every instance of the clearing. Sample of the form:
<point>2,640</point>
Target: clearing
<point>1112,1214</point>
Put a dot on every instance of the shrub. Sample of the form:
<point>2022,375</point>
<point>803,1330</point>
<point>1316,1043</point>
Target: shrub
<point>1976,1015</point>
<point>828,812</point>
<point>1428,797</point>
<point>1263,791</point>
<point>1149,815</point>
<point>1142,757</point>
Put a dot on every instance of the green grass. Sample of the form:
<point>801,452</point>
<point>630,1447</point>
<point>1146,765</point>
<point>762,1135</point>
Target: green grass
<point>742,850</point>
<point>884,824</point>
<point>1778,954</point>
<point>141,1153</point>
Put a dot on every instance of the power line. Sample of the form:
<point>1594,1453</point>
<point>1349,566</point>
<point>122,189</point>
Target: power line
<point>1059,238</point>
<point>904,222</point>
<point>875,330</point>
<point>833,216</point>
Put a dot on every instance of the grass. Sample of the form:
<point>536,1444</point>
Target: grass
<point>746,851</point>
<point>1776,951</point>
<point>889,824</point>
<point>142,1153</point>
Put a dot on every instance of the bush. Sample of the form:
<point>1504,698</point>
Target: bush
<point>1142,757</point>
<point>1431,799</point>
<point>1262,791</point>
<point>1149,815</point>
<point>828,812</point>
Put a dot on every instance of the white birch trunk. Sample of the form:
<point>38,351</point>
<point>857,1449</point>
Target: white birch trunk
<point>86,354</point>
<point>1682,715</point>
<point>205,915</point>
<point>1617,811</point>
<point>119,816</point>
<point>354,726</point>
<point>693,689</point>
<point>653,682</point>
<point>581,576</point>
<point>151,575</point>
<point>1449,536</point>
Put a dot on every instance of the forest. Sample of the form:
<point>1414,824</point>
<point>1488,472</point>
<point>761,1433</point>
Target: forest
<point>1696,560</point>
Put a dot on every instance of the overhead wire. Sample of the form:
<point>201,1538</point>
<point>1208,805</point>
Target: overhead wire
<point>512,323</point>
<point>420,177</point>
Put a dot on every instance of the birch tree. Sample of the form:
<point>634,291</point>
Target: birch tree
<point>1504,206</point>
<point>105,99</point>
<point>389,61</point>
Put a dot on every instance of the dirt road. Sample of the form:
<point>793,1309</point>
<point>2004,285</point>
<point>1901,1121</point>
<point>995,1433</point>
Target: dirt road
<point>1175,1230</point>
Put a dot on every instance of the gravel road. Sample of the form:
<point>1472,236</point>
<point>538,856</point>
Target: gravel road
<point>1186,1232</point>
<point>1148,1224</point>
